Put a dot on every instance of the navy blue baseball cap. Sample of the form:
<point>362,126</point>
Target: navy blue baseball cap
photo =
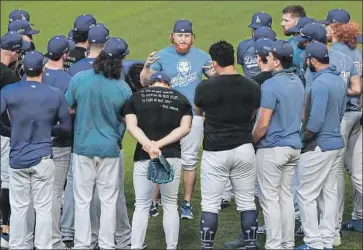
<point>160,76</point>
<point>34,60</point>
<point>183,26</point>
<point>359,39</point>
<point>19,14</point>
<point>84,22</point>
<point>98,34</point>
<point>282,48</point>
<point>70,35</point>
<point>317,50</point>
<point>312,31</point>
<point>264,32</point>
<point>116,47</point>
<point>58,45</point>
<point>260,19</point>
<point>263,46</point>
<point>13,41</point>
<point>23,27</point>
<point>336,16</point>
<point>300,24</point>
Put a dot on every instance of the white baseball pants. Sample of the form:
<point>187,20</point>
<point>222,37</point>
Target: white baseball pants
<point>104,174</point>
<point>31,185</point>
<point>318,189</point>
<point>238,165</point>
<point>144,190</point>
<point>275,172</point>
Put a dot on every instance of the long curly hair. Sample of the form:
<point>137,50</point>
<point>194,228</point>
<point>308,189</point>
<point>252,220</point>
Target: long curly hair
<point>108,66</point>
<point>346,33</point>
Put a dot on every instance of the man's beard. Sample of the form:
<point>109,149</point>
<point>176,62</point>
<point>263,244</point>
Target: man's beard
<point>182,50</point>
<point>287,33</point>
<point>312,68</point>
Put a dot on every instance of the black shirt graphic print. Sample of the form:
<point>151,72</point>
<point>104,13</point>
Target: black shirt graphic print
<point>159,111</point>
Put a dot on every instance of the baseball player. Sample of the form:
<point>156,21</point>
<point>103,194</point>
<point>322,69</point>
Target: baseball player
<point>132,70</point>
<point>229,103</point>
<point>276,134</point>
<point>295,30</point>
<point>97,37</point>
<point>57,52</point>
<point>11,45</point>
<point>290,18</point>
<point>31,156</point>
<point>246,56</point>
<point>96,158</point>
<point>23,27</point>
<point>157,117</point>
<point>344,40</point>
<point>19,14</point>
<point>323,143</point>
<point>81,26</point>
<point>185,65</point>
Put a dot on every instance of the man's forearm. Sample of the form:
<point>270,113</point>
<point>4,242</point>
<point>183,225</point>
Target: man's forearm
<point>258,133</point>
<point>308,136</point>
<point>174,136</point>
<point>139,135</point>
<point>145,76</point>
<point>353,92</point>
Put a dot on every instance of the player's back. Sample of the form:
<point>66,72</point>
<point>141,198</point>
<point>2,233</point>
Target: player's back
<point>247,58</point>
<point>82,65</point>
<point>159,111</point>
<point>99,102</point>
<point>229,103</point>
<point>32,110</point>
<point>56,78</point>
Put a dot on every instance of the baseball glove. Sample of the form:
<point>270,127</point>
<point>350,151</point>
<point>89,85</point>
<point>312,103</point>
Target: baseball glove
<point>160,171</point>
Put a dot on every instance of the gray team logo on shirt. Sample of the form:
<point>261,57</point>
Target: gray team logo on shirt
<point>185,76</point>
<point>343,70</point>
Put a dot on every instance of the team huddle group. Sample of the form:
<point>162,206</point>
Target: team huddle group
<point>277,139</point>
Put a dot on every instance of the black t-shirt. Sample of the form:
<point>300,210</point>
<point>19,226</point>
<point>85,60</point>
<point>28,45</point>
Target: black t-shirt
<point>262,77</point>
<point>75,55</point>
<point>7,77</point>
<point>159,111</point>
<point>229,102</point>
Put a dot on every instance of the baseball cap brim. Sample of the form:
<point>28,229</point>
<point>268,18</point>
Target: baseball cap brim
<point>254,26</point>
<point>32,32</point>
<point>293,30</point>
<point>300,38</point>
<point>127,52</point>
<point>325,22</point>
<point>71,44</point>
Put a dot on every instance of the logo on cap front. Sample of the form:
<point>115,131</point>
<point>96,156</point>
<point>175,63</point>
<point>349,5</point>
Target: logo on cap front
<point>258,19</point>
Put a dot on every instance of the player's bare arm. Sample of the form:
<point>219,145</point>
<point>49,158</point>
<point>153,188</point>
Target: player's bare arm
<point>147,71</point>
<point>137,133</point>
<point>261,126</point>
<point>354,86</point>
<point>178,133</point>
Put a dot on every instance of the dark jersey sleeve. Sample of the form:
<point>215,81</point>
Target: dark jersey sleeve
<point>199,97</point>
<point>129,107</point>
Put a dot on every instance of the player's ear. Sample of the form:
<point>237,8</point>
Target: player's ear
<point>171,37</point>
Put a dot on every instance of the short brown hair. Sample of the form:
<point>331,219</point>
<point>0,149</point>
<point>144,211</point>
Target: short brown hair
<point>295,10</point>
<point>346,33</point>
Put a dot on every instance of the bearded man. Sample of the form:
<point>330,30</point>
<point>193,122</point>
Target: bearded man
<point>185,66</point>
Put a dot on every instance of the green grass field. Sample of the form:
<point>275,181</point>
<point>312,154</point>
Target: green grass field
<point>146,26</point>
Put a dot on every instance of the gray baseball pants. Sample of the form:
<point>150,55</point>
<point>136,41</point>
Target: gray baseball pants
<point>275,172</point>
<point>102,173</point>
<point>238,165</point>
<point>31,185</point>
<point>350,130</point>
<point>144,190</point>
<point>318,188</point>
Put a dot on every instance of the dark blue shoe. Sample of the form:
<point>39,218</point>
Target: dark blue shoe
<point>238,243</point>
<point>304,247</point>
<point>353,225</point>
<point>186,211</point>
<point>4,240</point>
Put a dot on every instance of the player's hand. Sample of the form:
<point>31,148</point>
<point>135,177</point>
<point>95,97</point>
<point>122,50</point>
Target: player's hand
<point>152,150</point>
<point>151,59</point>
<point>209,69</point>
